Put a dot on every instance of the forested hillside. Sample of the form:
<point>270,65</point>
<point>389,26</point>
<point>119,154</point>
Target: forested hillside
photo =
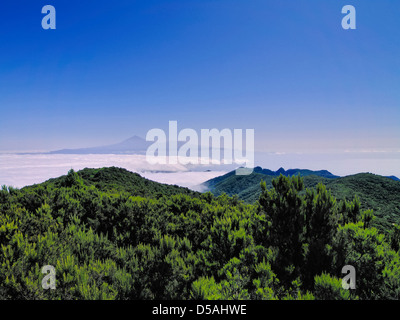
<point>111,234</point>
<point>381,194</point>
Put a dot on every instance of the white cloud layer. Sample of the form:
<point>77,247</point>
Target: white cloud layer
<point>20,170</point>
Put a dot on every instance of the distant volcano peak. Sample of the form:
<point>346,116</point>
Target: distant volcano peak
<point>132,145</point>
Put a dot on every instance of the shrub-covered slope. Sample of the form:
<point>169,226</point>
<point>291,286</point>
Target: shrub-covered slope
<point>113,235</point>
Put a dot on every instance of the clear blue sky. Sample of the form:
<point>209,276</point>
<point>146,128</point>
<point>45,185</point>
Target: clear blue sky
<point>287,69</point>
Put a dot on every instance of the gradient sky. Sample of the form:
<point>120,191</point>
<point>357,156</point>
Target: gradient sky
<point>114,69</point>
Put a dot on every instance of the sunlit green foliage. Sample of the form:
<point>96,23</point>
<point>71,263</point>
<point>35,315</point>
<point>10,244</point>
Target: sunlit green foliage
<point>111,234</point>
<point>378,193</point>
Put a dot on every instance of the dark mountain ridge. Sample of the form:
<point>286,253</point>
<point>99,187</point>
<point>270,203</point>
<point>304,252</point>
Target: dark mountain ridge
<point>379,193</point>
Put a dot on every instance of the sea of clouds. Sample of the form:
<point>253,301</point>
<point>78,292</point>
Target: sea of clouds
<point>19,170</point>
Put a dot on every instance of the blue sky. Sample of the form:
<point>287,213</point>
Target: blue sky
<point>116,69</point>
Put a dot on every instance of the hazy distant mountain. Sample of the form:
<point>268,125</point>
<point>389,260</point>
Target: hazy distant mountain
<point>133,145</point>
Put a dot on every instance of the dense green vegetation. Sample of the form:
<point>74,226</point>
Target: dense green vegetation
<point>120,180</point>
<point>380,194</point>
<point>111,234</point>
